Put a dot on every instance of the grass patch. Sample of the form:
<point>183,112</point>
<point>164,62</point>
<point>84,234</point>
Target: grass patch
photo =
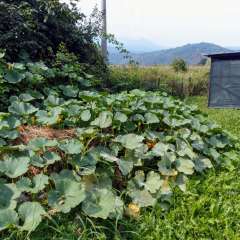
<point>194,82</point>
<point>229,119</point>
<point>210,210</point>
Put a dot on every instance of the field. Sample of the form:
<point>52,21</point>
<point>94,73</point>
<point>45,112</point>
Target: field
<point>194,82</point>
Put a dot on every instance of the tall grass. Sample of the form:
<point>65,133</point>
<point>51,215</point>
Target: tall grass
<point>192,83</point>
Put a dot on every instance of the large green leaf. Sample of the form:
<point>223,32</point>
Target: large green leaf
<point>185,166</point>
<point>37,184</point>
<point>49,117</point>
<point>9,195</point>
<point>151,118</point>
<point>50,158</point>
<point>22,108</point>
<point>26,97</point>
<point>2,54</point>
<point>85,165</point>
<point>104,120</point>
<point>53,101</point>
<point>160,149</point>
<point>68,193</point>
<point>72,146</point>
<point>153,182</point>
<point>130,141</point>
<point>13,76</point>
<point>184,149</point>
<point>10,122</point>
<point>142,198</point>
<point>125,166</point>
<point>41,143</point>
<point>45,160</point>
<point>202,163</point>
<point>165,167</point>
<point>69,91</point>
<point>31,214</point>
<point>9,134</point>
<point>181,182</point>
<point>85,115</point>
<point>138,190</point>
<point>99,203</point>
<point>8,217</point>
<point>121,117</point>
<point>14,167</point>
<point>219,141</point>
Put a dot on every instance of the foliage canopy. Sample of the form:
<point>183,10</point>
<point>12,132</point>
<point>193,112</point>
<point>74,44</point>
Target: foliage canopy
<point>36,28</point>
<point>179,65</point>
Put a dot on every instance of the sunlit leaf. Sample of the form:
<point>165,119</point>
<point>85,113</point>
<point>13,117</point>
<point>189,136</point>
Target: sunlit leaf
<point>31,214</point>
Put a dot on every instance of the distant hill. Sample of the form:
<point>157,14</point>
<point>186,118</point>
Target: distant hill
<point>139,45</point>
<point>191,53</point>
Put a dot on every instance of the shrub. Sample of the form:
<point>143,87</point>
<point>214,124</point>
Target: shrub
<point>179,65</point>
<point>38,27</point>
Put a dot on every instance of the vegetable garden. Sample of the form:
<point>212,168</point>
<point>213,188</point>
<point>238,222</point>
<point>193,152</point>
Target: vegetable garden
<point>109,155</point>
<point>70,145</point>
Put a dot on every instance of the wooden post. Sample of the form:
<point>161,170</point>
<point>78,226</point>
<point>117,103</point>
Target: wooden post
<point>104,40</point>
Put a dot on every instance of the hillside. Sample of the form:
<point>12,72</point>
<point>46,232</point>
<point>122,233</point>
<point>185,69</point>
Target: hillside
<point>191,53</point>
<point>138,45</point>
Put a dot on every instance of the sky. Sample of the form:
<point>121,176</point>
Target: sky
<point>172,22</point>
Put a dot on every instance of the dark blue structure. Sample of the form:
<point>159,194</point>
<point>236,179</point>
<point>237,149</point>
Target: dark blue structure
<point>224,87</point>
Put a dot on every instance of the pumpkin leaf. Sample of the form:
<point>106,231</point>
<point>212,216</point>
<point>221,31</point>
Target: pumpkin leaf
<point>104,120</point>
<point>8,217</point>
<point>31,214</point>
<point>14,167</point>
<point>130,141</point>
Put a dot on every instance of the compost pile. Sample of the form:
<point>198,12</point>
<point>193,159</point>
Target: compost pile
<point>104,155</point>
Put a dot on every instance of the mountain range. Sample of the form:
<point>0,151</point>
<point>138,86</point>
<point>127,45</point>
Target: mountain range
<point>191,53</point>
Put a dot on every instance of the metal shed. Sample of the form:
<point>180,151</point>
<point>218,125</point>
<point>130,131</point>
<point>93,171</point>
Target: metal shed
<point>224,89</point>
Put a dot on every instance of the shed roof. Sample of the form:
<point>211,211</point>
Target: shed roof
<point>225,56</point>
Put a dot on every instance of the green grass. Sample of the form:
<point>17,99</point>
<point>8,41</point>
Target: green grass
<point>229,119</point>
<point>210,210</point>
<point>194,82</point>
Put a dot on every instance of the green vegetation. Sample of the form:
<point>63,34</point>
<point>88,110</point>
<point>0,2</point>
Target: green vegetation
<point>33,30</point>
<point>179,65</point>
<point>37,77</point>
<point>194,82</point>
<point>126,151</point>
<point>79,161</point>
<point>208,210</point>
<point>229,119</point>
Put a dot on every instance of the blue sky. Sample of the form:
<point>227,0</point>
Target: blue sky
<point>173,22</point>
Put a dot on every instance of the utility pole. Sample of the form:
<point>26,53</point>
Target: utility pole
<point>104,40</point>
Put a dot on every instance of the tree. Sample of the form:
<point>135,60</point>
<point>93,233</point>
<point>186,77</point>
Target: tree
<point>37,27</point>
<point>179,65</point>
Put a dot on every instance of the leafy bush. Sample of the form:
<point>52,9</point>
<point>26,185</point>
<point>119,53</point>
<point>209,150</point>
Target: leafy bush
<point>179,65</point>
<point>105,154</point>
<point>38,27</point>
<point>16,78</point>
